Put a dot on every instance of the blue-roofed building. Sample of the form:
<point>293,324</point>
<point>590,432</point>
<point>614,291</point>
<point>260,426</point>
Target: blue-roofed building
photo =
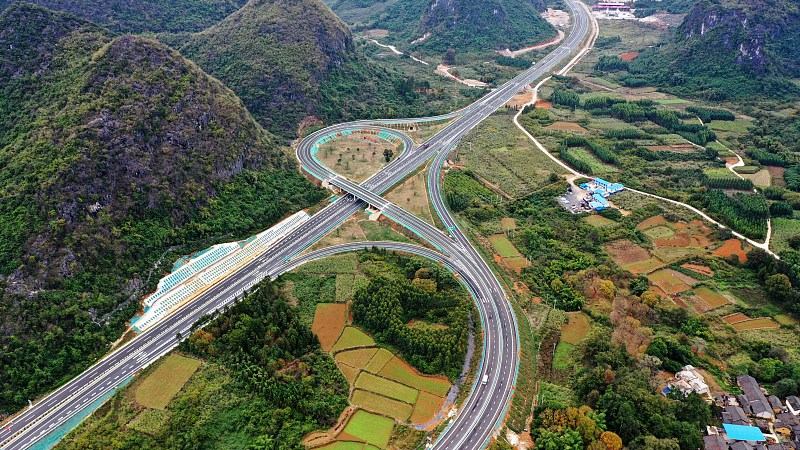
<point>607,186</point>
<point>743,433</point>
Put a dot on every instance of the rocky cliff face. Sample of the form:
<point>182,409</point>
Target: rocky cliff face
<point>731,49</point>
<point>759,33</point>
<point>490,24</point>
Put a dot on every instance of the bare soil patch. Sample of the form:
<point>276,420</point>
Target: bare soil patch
<point>629,56</point>
<point>701,270</point>
<point>735,318</point>
<point>329,322</point>
<point>729,248</point>
<point>543,104</point>
<point>776,173</point>
<point>625,252</point>
<point>671,281</point>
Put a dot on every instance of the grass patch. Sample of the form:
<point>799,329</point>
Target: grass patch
<point>659,232</point>
<point>372,429</point>
<point>496,150</point>
<point>671,101</point>
<point>503,246</point>
<point>786,320</point>
<point>575,330</point>
<point>782,230</point>
<point>734,126</point>
<point>345,263</point>
<point>401,372</point>
<point>598,221</point>
<point>710,297</point>
<point>388,388</point>
<point>756,324</point>
<point>150,421</point>
<point>160,386</point>
<point>343,445</point>
<point>554,396</point>
<point>563,355</point>
<point>352,337</point>
<point>382,405</point>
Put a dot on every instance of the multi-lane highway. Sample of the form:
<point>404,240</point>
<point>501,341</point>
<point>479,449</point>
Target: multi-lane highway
<point>485,407</point>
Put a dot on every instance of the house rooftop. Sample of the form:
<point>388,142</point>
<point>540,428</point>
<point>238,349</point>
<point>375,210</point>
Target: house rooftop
<point>743,433</point>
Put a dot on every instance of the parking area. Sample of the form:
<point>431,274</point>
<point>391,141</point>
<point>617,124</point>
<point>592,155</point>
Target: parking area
<point>573,200</point>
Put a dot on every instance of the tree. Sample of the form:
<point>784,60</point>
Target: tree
<point>785,387</point>
<point>778,286</point>
<point>611,440</point>
<point>450,57</point>
<point>387,154</point>
<point>567,440</point>
<point>653,443</point>
<point>608,289</point>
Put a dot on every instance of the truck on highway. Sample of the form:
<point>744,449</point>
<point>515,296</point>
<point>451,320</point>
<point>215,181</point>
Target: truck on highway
<point>485,379</point>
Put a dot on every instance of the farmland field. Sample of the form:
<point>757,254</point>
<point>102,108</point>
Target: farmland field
<point>598,221</point>
<point>644,267</point>
<point>734,126</point>
<point>735,318</point>
<point>756,324</point>
<point>508,224</point>
<point>357,358</point>
<point>331,265</point>
<point>378,361</point>
<point>729,248</point>
<point>659,232</point>
<point>343,445</point>
<point>786,320</point>
<point>373,429</point>
<point>382,405</point>
<point>712,298</point>
<point>350,373</point>
<point>388,388</point>
<point>426,407</point>
<point>671,281</point>
<point>399,371</point>
<point>150,421</point>
<point>344,286</point>
<point>329,321</point>
<point>566,126</point>
<point>672,101</point>
<point>160,386</point>
<point>352,337</point>
<point>503,246</point>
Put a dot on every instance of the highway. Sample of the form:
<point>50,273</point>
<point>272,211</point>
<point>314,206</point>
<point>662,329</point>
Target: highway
<point>481,413</point>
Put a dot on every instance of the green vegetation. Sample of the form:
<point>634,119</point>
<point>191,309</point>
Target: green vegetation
<point>265,384</point>
<point>305,65</point>
<point>190,168</point>
<point>158,389</point>
<point>370,427</point>
<point>704,57</point>
<point>387,303</point>
<point>142,16</point>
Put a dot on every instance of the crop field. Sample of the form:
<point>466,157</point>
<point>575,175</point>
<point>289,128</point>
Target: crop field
<point>598,221</point>
<point>352,337</point>
<point>343,445</point>
<point>659,232</point>
<point>782,230</point>
<point>672,101</point>
<point>382,405</point>
<point>712,298</point>
<point>567,126</point>
<point>596,166</point>
<point>160,386</point>
<point>761,323</point>
<point>575,330</point>
<point>372,429</point>
<point>426,407</point>
<point>329,322</point>
<point>498,151</point>
<point>699,269</point>
<point>607,123</point>
<point>734,126</point>
<point>503,246</point>
<point>776,175</point>
<point>625,252</point>
<point>381,357</point>
<point>729,248</point>
<point>358,358</point>
<point>517,264</point>
<point>644,267</point>
<point>331,265</point>
<point>671,281</point>
<point>350,373</point>
<point>786,320</point>
<point>392,389</point>
<point>735,318</point>
<point>760,178</point>
<point>401,372</point>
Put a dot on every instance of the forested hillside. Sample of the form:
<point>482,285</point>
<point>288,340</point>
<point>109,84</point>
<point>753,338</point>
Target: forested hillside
<point>112,150</point>
<point>464,25</point>
<point>137,16</point>
<point>730,49</point>
<point>292,59</point>
<point>265,383</point>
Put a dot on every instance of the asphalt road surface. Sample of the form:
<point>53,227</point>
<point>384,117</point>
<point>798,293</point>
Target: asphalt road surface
<point>482,411</point>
